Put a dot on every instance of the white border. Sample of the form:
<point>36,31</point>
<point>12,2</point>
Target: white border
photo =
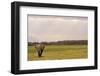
<point>26,65</point>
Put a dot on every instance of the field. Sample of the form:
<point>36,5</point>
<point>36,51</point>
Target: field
<point>57,52</point>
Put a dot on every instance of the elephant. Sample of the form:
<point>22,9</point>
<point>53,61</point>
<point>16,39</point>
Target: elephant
<point>39,48</point>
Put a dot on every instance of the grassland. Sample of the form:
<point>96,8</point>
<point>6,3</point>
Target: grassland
<point>57,52</point>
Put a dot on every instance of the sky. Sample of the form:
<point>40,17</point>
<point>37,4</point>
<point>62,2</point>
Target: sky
<point>56,28</point>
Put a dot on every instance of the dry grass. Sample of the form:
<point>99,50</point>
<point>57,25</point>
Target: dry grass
<point>57,52</point>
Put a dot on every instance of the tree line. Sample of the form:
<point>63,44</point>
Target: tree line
<point>64,42</point>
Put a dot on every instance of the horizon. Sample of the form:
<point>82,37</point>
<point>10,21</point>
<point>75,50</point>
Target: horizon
<point>57,41</point>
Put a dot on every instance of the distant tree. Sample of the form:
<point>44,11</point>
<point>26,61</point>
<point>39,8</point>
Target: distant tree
<point>64,42</point>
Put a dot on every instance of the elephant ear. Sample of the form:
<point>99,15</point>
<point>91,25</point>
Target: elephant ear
<point>37,46</point>
<point>42,46</point>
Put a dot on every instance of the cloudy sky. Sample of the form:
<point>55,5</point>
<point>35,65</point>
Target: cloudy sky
<point>55,28</point>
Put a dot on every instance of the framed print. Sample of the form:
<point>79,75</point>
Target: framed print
<point>52,37</point>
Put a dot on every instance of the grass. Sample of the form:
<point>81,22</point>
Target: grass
<point>57,52</point>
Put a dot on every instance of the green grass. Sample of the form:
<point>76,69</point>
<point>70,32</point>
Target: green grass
<point>57,52</point>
